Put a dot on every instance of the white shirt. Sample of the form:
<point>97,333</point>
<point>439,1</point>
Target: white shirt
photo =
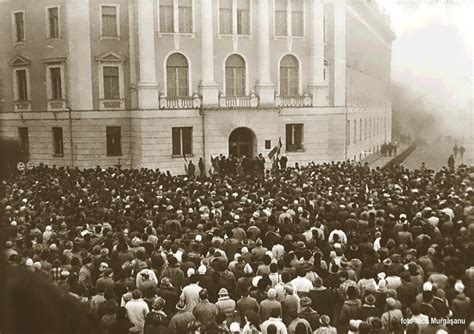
<point>137,310</point>
<point>302,284</point>
<point>191,295</point>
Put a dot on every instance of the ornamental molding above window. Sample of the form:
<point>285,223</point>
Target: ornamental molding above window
<point>19,61</point>
<point>110,57</point>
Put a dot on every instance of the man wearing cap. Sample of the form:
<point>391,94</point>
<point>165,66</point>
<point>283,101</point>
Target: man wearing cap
<point>392,318</point>
<point>308,313</point>
<point>270,304</point>
<point>181,320</point>
<point>225,304</point>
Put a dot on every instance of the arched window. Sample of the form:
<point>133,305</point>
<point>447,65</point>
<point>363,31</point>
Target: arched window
<point>235,76</point>
<point>289,76</point>
<point>177,75</point>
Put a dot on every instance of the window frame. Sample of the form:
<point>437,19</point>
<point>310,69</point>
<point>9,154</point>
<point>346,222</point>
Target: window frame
<point>117,21</point>
<point>14,27</point>
<point>25,144</point>
<point>234,20</point>
<point>175,25</point>
<point>181,142</point>
<point>49,83</point>
<point>299,79</point>
<point>112,152</point>
<point>289,19</point>
<point>292,143</point>
<point>165,72</point>
<point>48,23</point>
<point>111,60</point>
<point>16,91</point>
<point>56,152</point>
<point>246,83</point>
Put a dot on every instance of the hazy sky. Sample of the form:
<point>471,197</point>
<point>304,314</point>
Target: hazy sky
<point>433,54</point>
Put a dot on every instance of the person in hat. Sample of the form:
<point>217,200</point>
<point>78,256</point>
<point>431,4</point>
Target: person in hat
<point>308,313</point>
<point>181,320</point>
<point>270,304</point>
<point>461,307</point>
<point>226,305</point>
<point>325,326</point>
<point>368,309</point>
<point>392,318</point>
<point>205,311</point>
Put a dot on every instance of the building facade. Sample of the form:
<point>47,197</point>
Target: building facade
<point>141,83</point>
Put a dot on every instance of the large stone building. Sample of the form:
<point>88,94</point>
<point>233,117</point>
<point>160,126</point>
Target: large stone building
<point>142,82</point>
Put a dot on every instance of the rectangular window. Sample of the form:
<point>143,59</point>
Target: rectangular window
<point>297,17</point>
<point>348,133</point>
<point>109,21</point>
<point>243,17</point>
<point>289,81</point>
<point>114,141</point>
<point>177,81</point>
<point>185,14</point>
<point>281,18</point>
<point>58,148</point>
<point>182,140</point>
<point>365,129</point>
<point>24,141</point>
<point>268,144</point>
<point>235,81</point>
<point>294,137</point>
<point>22,85</point>
<point>370,127</point>
<point>56,84</point>
<point>355,131</point>
<point>360,130</point>
<point>111,82</point>
<point>19,20</point>
<point>53,22</point>
<point>166,16</point>
<point>225,16</point>
<point>324,29</point>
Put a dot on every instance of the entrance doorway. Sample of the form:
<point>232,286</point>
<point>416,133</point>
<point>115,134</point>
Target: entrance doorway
<point>242,142</point>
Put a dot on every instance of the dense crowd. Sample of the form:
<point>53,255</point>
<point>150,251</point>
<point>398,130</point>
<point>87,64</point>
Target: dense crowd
<point>330,248</point>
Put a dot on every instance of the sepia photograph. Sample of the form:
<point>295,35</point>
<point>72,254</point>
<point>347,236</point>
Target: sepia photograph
<point>236,166</point>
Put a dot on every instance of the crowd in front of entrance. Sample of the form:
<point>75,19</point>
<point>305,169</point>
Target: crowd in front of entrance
<point>330,248</point>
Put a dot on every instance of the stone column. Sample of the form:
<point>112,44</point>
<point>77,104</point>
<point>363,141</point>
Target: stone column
<point>339,53</point>
<point>147,86</point>
<point>265,87</point>
<point>208,87</point>
<point>79,49</point>
<point>318,87</point>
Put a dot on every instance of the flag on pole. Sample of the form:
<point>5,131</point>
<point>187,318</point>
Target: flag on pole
<point>275,150</point>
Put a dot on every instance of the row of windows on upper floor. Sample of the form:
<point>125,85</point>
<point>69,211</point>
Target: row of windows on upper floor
<point>177,16</point>
<point>177,80</point>
<point>368,127</point>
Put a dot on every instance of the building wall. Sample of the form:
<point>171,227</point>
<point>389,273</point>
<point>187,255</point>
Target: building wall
<point>146,134</point>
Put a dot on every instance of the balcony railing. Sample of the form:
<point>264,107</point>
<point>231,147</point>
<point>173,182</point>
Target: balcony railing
<point>182,102</point>
<point>250,101</point>
<point>293,101</point>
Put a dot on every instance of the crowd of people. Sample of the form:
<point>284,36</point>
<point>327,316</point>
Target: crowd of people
<point>329,248</point>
